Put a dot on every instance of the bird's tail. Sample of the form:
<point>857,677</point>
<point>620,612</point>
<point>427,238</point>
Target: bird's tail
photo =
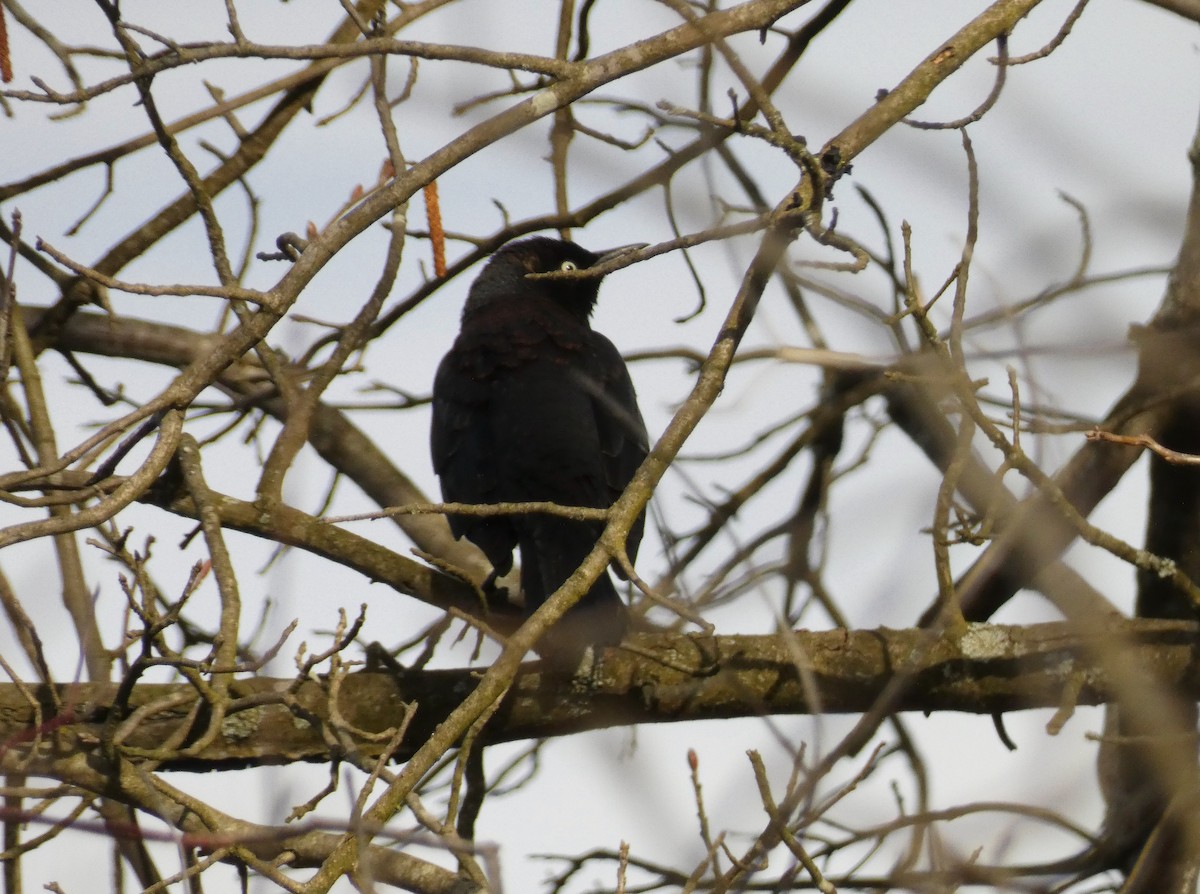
<point>552,548</point>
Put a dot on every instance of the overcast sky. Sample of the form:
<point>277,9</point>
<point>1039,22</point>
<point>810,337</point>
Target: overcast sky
<point>1106,119</point>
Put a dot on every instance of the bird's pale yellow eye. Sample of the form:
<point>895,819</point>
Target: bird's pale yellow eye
<point>568,266</point>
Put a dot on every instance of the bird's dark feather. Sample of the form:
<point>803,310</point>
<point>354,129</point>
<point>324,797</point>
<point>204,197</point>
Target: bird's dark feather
<point>532,404</point>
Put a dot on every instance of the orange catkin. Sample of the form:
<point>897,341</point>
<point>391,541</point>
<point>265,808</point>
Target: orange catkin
<point>437,236</point>
<point>6,73</point>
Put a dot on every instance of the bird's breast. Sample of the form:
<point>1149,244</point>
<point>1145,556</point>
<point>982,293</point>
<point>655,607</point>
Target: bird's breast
<point>512,335</point>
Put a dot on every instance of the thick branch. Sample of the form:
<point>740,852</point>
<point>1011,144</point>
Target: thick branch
<point>670,678</point>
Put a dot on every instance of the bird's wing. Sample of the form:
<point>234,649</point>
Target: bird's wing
<point>461,440</point>
<point>455,408</point>
<point>624,442</point>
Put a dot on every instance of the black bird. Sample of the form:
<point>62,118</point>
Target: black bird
<point>532,404</point>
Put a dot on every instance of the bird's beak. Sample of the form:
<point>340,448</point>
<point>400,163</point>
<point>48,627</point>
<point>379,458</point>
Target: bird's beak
<point>603,256</point>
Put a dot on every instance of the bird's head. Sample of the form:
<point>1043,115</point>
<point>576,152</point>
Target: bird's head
<point>508,274</point>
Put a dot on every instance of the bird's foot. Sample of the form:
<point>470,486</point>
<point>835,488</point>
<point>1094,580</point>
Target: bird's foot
<point>496,596</point>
